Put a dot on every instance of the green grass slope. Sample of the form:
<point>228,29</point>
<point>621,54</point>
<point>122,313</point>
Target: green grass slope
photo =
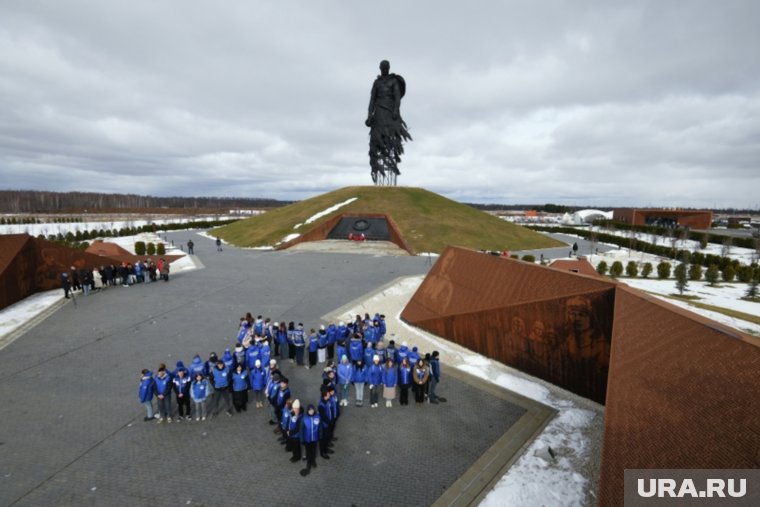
<point>428,222</point>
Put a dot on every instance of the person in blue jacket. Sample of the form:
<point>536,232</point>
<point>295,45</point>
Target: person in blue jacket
<point>284,425</point>
<point>252,354</point>
<point>414,356</point>
<point>325,416</point>
<point>162,385</point>
<point>199,393</point>
<point>390,379</point>
<point>403,353</point>
<point>369,334</point>
<point>291,341</point>
<point>211,364</point>
<point>258,379</point>
<point>146,393</point>
<point>369,352</point>
<point>356,348</point>
<point>220,380</point>
<point>242,330</point>
<point>391,352</point>
<point>359,378</point>
<point>272,391</point>
<point>294,431</point>
<point>332,338</point>
<point>322,345</point>
<point>313,348</point>
<point>228,359</point>
<point>283,395</point>
<point>240,389</point>
<point>299,342</point>
<point>181,385</point>
<point>239,355</point>
<point>345,376</point>
<point>180,366</point>
<point>383,328</point>
<point>197,366</point>
<point>265,354</point>
<point>310,434</point>
<point>404,380</point>
<point>375,380</point>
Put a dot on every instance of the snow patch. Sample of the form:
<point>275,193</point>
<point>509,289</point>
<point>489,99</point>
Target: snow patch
<point>289,237</point>
<point>26,310</point>
<point>327,211</point>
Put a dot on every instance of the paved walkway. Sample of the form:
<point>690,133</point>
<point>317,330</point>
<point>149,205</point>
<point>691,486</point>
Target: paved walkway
<point>72,431</point>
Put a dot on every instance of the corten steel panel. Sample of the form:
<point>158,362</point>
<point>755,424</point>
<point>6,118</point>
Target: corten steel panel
<point>17,256</point>
<point>37,266</point>
<point>565,341</point>
<point>683,392</point>
<point>546,322</point>
<point>464,281</point>
<point>53,259</point>
<point>579,265</point>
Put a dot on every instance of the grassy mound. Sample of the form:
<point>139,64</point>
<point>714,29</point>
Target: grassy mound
<point>428,222</point>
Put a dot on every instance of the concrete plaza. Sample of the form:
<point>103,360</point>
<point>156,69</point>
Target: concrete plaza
<point>72,429</point>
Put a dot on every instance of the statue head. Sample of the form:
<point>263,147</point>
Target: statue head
<point>385,67</point>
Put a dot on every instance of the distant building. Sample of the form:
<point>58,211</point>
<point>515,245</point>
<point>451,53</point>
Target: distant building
<point>585,216</point>
<point>693,219</point>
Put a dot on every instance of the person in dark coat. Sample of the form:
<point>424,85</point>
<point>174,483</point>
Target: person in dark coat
<point>66,284</point>
<point>182,384</point>
<point>75,278</point>
<point>310,434</point>
<point>294,431</point>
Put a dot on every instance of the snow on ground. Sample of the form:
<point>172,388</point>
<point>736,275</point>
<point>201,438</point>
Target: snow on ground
<point>25,311</point>
<point>575,434</point>
<point>54,228</point>
<point>327,211</point>
<point>743,255</point>
<point>206,235</point>
<point>723,295</point>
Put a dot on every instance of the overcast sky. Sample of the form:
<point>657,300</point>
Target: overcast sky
<point>583,102</point>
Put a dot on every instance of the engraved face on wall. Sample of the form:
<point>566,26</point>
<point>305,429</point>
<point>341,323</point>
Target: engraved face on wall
<point>578,314</point>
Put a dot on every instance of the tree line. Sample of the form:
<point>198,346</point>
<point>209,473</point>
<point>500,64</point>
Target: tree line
<point>36,201</point>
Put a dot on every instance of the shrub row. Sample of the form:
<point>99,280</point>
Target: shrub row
<point>705,260</point>
<point>687,234</point>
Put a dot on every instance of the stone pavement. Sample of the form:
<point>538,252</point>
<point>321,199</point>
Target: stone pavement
<point>72,431</point>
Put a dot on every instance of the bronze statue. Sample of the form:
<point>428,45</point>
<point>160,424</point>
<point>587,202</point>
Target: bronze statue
<point>387,130</point>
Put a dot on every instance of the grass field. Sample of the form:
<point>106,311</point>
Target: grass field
<point>428,222</point>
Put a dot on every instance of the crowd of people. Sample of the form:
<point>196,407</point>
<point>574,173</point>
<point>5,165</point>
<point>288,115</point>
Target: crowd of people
<point>203,389</point>
<point>126,274</point>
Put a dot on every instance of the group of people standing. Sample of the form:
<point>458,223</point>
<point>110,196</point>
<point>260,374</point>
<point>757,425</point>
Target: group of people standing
<point>125,274</point>
<point>206,388</point>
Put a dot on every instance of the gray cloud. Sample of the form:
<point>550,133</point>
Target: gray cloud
<point>591,102</point>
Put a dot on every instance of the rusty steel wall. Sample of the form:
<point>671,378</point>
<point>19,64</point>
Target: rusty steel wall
<point>37,266</point>
<point>551,324</point>
<point>17,254</point>
<point>683,392</point>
